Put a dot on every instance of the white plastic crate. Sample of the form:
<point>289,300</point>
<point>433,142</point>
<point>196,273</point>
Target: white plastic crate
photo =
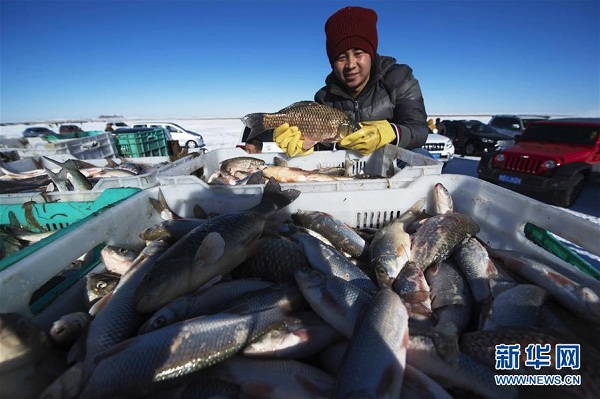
<point>144,180</point>
<point>91,147</point>
<point>500,213</point>
<point>383,163</point>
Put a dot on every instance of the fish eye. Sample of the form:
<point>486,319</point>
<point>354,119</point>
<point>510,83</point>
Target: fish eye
<point>101,284</point>
<point>381,270</point>
<point>160,322</point>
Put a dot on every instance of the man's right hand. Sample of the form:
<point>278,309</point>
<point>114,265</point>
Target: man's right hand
<point>289,139</point>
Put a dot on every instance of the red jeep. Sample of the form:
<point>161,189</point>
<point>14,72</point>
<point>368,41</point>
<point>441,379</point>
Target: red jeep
<point>551,160</point>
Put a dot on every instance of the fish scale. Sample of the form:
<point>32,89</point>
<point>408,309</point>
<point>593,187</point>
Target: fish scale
<point>438,236</point>
<point>378,371</point>
<point>318,123</point>
<point>175,351</point>
<point>210,251</point>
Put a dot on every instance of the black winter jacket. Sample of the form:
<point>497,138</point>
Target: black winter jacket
<point>392,93</point>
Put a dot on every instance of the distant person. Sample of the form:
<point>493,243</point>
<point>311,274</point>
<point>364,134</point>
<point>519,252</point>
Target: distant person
<point>374,90</point>
<point>109,128</point>
<point>253,146</point>
<point>441,128</point>
<point>431,125</point>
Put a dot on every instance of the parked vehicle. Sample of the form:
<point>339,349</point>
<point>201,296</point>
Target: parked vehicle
<point>551,160</point>
<point>64,129</point>
<point>39,131</point>
<point>440,147</point>
<point>186,138</point>
<point>116,125</point>
<point>481,138</point>
<point>514,124</point>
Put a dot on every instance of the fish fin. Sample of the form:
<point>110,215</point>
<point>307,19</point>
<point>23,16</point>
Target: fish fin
<point>59,177</point>
<point>53,161</point>
<point>278,161</point>
<point>212,248</point>
<point>308,144</point>
<point>111,162</point>
<point>303,103</point>
<point>14,221</point>
<point>39,164</point>
<point>416,208</point>
<point>99,304</point>
<point>349,166</point>
<point>279,199</point>
<point>161,206</point>
<point>256,178</point>
<point>255,123</point>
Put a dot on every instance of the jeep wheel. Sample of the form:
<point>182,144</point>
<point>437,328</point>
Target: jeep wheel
<point>191,144</point>
<point>566,198</point>
<point>469,149</point>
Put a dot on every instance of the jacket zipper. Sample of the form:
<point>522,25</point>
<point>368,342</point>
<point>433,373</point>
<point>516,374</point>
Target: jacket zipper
<point>356,111</point>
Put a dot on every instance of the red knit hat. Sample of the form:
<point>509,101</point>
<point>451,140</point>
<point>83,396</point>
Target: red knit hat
<point>351,27</point>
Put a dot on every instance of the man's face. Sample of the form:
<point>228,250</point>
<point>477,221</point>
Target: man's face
<point>251,149</point>
<point>353,69</point>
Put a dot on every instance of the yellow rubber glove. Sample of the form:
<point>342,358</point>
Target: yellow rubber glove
<point>369,137</point>
<point>288,138</point>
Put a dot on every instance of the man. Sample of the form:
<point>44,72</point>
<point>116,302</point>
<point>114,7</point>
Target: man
<point>441,128</point>
<point>383,96</point>
<point>253,146</point>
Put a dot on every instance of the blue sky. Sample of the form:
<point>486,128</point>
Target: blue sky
<point>187,59</point>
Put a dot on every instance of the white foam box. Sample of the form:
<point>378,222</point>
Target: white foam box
<point>500,213</point>
<point>382,165</point>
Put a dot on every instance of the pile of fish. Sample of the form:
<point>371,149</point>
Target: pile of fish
<point>252,170</point>
<point>239,306</point>
<point>73,175</point>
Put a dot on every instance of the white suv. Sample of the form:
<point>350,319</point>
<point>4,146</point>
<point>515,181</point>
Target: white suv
<point>185,137</point>
<point>439,146</point>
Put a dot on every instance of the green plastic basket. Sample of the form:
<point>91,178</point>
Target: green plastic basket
<point>41,217</point>
<point>142,143</point>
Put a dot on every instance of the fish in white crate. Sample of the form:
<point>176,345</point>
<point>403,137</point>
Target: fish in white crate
<point>331,330</point>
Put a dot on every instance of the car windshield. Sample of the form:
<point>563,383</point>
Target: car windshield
<point>478,128</point>
<point>527,121</point>
<point>558,133</point>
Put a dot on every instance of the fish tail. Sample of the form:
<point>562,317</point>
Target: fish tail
<point>274,198</point>
<point>256,124</point>
<point>61,176</point>
<point>161,206</point>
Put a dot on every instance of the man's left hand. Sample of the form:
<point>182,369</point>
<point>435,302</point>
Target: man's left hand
<point>371,136</point>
